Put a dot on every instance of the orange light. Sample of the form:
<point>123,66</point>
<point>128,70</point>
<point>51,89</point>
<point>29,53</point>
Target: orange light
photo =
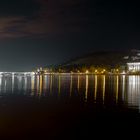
<point>87,71</point>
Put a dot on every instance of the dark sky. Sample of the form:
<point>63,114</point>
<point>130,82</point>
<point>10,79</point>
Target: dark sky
<point>47,32</point>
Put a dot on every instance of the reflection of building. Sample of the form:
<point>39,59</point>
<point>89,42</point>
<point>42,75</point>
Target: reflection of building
<point>133,67</point>
<point>133,91</point>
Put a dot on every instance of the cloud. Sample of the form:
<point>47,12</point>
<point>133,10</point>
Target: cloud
<point>52,17</point>
<point>15,25</point>
<point>8,27</point>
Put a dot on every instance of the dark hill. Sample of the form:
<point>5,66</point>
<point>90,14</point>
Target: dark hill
<point>105,58</point>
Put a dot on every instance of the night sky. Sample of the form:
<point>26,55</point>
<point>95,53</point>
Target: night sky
<point>48,32</point>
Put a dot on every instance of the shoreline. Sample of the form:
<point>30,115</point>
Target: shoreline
<point>86,74</point>
<point>57,73</point>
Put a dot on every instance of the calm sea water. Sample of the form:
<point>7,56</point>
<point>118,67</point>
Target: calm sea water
<point>67,105</point>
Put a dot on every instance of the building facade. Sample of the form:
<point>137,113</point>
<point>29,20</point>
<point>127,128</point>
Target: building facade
<point>133,67</point>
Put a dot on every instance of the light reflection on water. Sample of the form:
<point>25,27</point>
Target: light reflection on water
<point>106,90</point>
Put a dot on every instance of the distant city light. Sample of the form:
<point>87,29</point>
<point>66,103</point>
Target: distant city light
<point>87,71</point>
<point>123,72</point>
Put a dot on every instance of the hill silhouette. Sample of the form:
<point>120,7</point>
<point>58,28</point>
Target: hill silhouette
<point>104,58</point>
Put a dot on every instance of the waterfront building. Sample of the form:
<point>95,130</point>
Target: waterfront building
<point>133,67</point>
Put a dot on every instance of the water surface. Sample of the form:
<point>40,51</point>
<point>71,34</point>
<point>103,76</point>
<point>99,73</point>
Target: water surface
<point>67,105</point>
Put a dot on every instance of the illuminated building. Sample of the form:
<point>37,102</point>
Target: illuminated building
<point>133,67</point>
<point>133,61</point>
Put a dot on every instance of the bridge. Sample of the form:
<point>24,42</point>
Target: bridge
<point>17,73</point>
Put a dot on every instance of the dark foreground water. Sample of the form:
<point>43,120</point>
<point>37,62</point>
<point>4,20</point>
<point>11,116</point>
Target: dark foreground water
<point>69,106</point>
